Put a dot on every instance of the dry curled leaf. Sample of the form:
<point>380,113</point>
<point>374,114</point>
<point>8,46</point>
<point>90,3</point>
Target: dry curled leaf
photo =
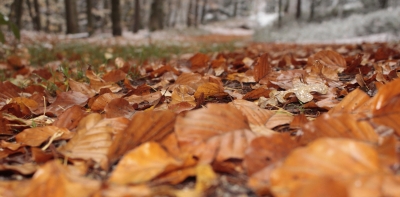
<point>339,159</point>
<point>93,139</point>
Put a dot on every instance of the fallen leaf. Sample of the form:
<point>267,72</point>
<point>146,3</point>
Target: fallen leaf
<point>339,159</point>
<point>36,136</point>
<point>93,139</point>
<point>144,126</point>
<point>54,179</point>
<point>262,67</point>
<point>143,164</point>
<point>119,107</point>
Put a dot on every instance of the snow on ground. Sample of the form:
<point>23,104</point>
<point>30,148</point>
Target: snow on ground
<point>378,26</point>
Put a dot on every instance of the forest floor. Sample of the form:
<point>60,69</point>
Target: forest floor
<point>198,113</point>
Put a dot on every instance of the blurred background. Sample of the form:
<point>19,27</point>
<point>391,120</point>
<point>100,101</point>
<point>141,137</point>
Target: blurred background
<point>258,20</point>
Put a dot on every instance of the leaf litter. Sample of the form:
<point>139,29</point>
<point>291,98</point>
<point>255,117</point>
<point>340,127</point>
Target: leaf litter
<point>267,119</point>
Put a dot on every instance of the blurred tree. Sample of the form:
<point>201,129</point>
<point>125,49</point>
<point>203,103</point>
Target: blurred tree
<point>156,15</point>
<point>71,16</point>
<point>312,10</point>
<point>203,11</point>
<point>89,5</point>
<point>189,21</point>
<point>383,4</point>
<point>235,8</point>
<point>279,13</point>
<point>16,13</point>
<point>196,13</point>
<point>47,16</point>
<point>298,9</point>
<point>37,15</point>
<point>116,18</point>
<point>136,17</point>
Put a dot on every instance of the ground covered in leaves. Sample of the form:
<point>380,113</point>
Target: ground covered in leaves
<point>263,120</point>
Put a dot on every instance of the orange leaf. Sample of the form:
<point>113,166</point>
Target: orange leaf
<point>54,180</point>
<point>386,106</point>
<point>66,100</point>
<point>70,117</point>
<point>93,138</point>
<point>102,101</point>
<point>264,151</point>
<point>219,131</point>
<point>329,59</point>
<point>340,159</point>
<point>37,135</point>
<point>339,126</point>
<point>262,67</point>
<point>209,89</point>
<point>119,107</point>
<point>143,164</point>
<point>144,126</point>
<point>199,60</point>
<point>81,87</point>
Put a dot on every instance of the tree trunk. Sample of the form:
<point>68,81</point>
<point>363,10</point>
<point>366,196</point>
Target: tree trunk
<point>196,13</point>
<point>235,8</point>
<point>156,15</point>
<point>383,4</point>
<point>298,9</point>
<point>16,13</point>
<point>89,5</point>
<point>136,17</point>
<point>189,14</point>
<point>203,11</point>
<point>37,19</point>
<point>286,10</point>
<point>116,18</point>
<point>71,16</point>
<point>47,16</point>
<point>279,13</point>
<point>176,13</point>
<point>28,3</point>
<point>312,7</point>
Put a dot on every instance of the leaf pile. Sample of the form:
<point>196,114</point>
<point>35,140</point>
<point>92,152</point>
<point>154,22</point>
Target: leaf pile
<point>276,119</point>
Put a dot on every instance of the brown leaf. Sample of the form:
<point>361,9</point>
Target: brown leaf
<point>103,100</point>
<point>152,98</point>
<point>192,80</point>
<point>209,89</point>
<point>54,179</point>
<point>37,135</point>
<point>386,106</point>
<point>339,159</point>
<point>351,102</point>
<point>81,87</point>
<point>66,100</point>
<point>262,67</point>
<point>70,118</point>
<point>339,126</point>
<point>8,91</point>
<point>264,151</point>
<point>114,76</point>
<point>143,164</point>
<point>14,188</point>
<point>329,59</point>
<point>198,61</point>
<point>98,83</point>
<point>93,139</point>
<point>219,131</point>
<point>119,107</point>
<point>256,94</point>
<point>144,126</point>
